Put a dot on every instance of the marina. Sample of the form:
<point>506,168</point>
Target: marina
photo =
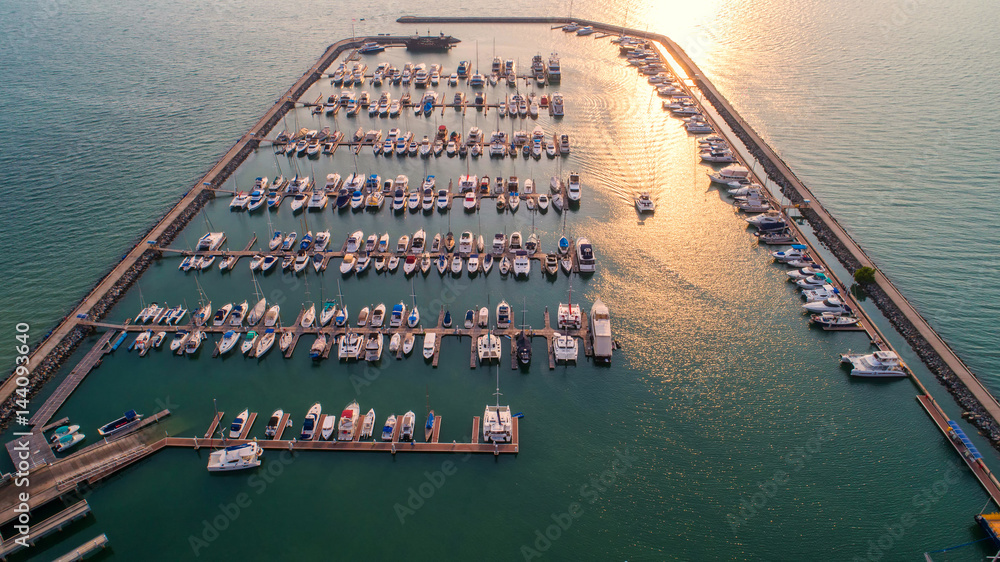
<point>767,192</point>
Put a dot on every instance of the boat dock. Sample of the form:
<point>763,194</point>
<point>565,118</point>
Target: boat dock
<point>100,542</point>
<point>963,446</point>
<point>59,476</point>
<point>395,445</point>
<point>51,525</point>
<point>72,380</point>
<point>332,334</point>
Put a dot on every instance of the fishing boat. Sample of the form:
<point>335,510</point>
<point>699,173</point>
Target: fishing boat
<point>236,428</point>
<point>407,426</point>
<point>389,428</point>
<point>119,425</point>
<point>310,421</point>
<point>875,365</point>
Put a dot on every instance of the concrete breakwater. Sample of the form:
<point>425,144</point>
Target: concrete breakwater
<point>980,416</point>
<point>49,354</point>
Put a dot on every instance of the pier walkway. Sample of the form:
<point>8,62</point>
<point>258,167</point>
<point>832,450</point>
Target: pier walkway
<point>73,380</point>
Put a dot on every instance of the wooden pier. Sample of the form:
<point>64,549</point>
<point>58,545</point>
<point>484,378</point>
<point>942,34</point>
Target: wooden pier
<point>282,425</point>
<point>976,465</point>
<point>394,446</point>
<point>215,424</point>
<point>72,380</point>
<point>51,525</point>
<point>99,542</point>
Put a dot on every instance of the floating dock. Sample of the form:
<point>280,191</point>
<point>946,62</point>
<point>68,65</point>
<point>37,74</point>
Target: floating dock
<point>100,542</point>
<point>72,380</point>
<point>51,525</point>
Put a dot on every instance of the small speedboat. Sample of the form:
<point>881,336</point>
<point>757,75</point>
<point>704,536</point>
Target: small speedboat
<point>368,425</point>
<point>447,319</point>
<point>236,428</point>
<point>389,428</point>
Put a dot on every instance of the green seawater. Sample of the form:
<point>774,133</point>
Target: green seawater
<point>724,428</point>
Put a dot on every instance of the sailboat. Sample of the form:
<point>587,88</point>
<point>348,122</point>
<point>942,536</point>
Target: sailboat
<point>414,317</point>
<point>497,421</point>
<point>258,310</point>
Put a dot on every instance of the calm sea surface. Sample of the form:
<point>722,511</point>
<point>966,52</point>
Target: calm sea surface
<point>724,429</point>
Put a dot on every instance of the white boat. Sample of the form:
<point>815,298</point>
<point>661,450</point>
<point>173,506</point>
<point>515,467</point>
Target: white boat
<point>257,313</point>
<point>644,204</point>
<point>194,342</point>
<point>354,242</point>
<point>350,346</point>
<point>600,330</point>
<point>456,264</point>
<point>573,190</point>
<point>522,264</point>
<point>285,340</point>
<point>497,424</point>
<point>488,347</point>
<point>271,429</point>
<point>565,348</point>
<point>348,264</point>
<point>180,338</point>
<point>569,317</point>
<point>266,341</point>
<point>222,314</point>
<point>272,316</point>
<point>368,425</point>
<point>68,441</point>
<point>413,318</point>
<point>236,428</point>
<point>308,317</point>
<point>395,342</point>
<point>407,426</point>
<point>483,317</point>
<point>731,174</point>
<point>878,364</point>
<point>228,341</point>
<point>503,315</point>
<point>585,256</point>
<point>238,313</point>
<point>329,426</point>
<point>397,316</point>
<point>832,304</point>
<point>318,346</point>
<point>348,422</point>
<point>430,342</point>
<point>389,428</point>
<point>504,265</point>
<point>236,457</point>
<point>63,431</point>
<point>403,244</point>
<point>310,422</point>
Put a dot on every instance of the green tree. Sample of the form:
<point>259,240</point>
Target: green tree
<point>864,275</point>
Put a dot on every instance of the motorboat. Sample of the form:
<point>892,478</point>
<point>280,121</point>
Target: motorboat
<point>63,432</point>
<point>236,428</point>
<point>266,341</point>
<point>832,304</point>
<point>531,246</point>
<point>829,320</point>
<point>408,342</point>
<point>130,419</point>
<point>585,256</point>
<point>523,343</point>
<point>522,264</point>
<point>487,263</point>
<point>503,315</point>
<point>228,341</point>
<point>551,264</point>
<point>289,240</point>
<point>271,429</point>
<point>377,317</point>
<point>797,252</point>
<point>565,348</point>
<point>235,457</point>
<point>731,175</point>
<point>600,331</point>
<point>430,343</point>
<point>504,265</point>
<point>644,204</point>
<point>348,423</point>
<point>328,427</point>
<point>470,319</point>
<point>368,425</point>
<point>878,364</point>
<point>389,428</point>
<point>310,422</point>
<point>318,347</point>
<point>483,317</point>
<point>770,220</point>
<point>397,316</point>
<point>456,264</point>
<point>573,189</point>
<point>238,313</point>
<point>407,426</point>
